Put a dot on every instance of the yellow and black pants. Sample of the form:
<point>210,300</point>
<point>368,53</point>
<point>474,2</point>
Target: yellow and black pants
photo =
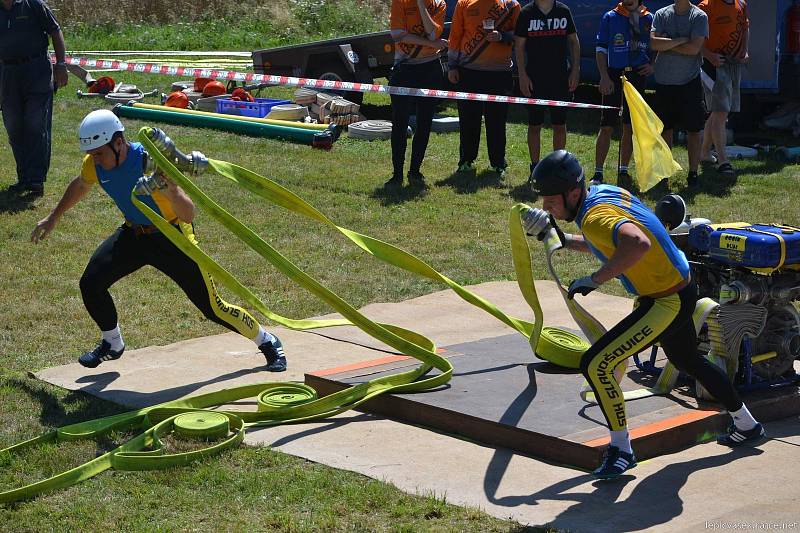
<point>667,320</point>
<point>130,248</point>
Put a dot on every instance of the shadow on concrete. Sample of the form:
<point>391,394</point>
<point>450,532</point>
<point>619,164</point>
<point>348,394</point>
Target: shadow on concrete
<point>502,457</point>
<point>327,425</point>
<point>97,383</point>
<point>654,501</point>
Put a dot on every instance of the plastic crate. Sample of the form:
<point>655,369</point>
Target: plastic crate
<point>258,109</point>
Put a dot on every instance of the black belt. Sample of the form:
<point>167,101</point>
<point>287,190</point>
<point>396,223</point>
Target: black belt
<point>146,229</point>
<point>19,60</point>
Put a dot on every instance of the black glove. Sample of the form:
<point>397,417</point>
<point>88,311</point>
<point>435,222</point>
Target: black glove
<point>583,286</point>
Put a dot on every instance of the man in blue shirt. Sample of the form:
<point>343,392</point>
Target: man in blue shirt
<point>116,165</point>
<point>27,82</point>
<point>623,48</point>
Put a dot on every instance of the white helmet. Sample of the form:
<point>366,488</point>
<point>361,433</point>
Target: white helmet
<point>97,129</point>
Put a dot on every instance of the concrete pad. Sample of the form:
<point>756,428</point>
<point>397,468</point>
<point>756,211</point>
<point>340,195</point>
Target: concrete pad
<point>160,373</point>
<point>697,489</point>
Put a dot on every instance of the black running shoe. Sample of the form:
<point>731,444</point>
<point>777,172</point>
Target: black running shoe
<point>416,179</point>
<point>738,437</point>
<point>273,352</point>
<point>597,179</point>
<point>102,352</point>
<point>395,181</point>
<point>614,463</point>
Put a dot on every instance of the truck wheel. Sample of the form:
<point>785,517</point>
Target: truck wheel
<point>337,72</point>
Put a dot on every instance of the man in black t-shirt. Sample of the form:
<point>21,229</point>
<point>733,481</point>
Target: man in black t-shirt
<point>548,61</point>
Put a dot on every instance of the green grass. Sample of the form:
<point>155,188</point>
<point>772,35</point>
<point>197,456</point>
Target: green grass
<point>459,226</point>
<point>244,25</point>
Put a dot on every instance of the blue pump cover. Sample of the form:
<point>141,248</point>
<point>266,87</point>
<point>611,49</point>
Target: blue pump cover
<point>754,246</point>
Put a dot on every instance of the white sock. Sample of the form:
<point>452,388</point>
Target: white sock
<point>114,338</point>
<point>263,336</point>
<point>742,419</point>
<point>621,440</point>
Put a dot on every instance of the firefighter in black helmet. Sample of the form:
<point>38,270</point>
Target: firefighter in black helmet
<point>633,246</point>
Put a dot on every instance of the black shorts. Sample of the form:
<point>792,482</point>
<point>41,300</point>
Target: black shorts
<point>549,87</point>
<point>681,105</point>
<point>610,117</point>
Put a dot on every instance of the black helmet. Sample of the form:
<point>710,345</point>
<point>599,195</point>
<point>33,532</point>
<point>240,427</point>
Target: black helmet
<point>671,211</point>
<point>558,173</point>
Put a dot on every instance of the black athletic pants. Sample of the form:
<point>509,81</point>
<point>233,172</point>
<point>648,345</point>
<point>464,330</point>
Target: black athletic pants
<point>667,320</point>
<point>495,114</point>
<point>125,252</point>
<point>426,75</point>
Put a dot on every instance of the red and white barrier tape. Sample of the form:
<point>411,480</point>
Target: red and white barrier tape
<point>311,83</point>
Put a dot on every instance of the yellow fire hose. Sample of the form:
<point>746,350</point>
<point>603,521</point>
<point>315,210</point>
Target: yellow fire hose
<point>280,403</point>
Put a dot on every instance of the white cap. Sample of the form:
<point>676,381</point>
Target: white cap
<point>97,129</point>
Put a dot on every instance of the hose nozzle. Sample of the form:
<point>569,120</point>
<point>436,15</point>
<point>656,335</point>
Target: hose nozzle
<point>195,163</point>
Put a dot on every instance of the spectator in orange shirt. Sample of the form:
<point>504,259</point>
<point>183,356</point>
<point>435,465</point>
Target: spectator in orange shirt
<point>479,60</point>
<point>416,28</point>
<point>724,52</point>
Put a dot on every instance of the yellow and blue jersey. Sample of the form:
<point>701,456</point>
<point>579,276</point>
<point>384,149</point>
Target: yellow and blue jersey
<point>120,181</point>
<point>604,210</point>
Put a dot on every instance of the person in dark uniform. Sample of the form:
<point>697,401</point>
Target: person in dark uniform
<point>548,62</point>
<point>27,82</point>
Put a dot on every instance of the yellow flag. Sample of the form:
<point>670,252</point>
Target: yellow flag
<point>653,157</point>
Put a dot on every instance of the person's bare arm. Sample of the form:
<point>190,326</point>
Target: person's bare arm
<point>76,190</point>
<point>660,43</point>
<point>575,61</point>
<point>690,48</point>
<point>576,242</point>
<point>525,85</point>
<point>181,203</point>
<point>632,244</point>
<point>60,49</point>
<point>427,21</point>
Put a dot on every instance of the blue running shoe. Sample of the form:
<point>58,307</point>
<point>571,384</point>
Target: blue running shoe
<point>614,463</point>
<point>273,352</point>
<point>102,352</point>
<point>739,437</point>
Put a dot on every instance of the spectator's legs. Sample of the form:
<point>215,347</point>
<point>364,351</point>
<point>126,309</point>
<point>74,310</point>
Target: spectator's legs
<point>693,142</point>
<point>534,141</point>
<point>602,145</point>
<point>559,136</point>
<point>401,108</point>
<point>626,145</point>
<point>38,122</point>
<point>13,101</point>
<point>708,141</point>
<point>717,134</point>
<point>667,136</point>
<point>425,108</point>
